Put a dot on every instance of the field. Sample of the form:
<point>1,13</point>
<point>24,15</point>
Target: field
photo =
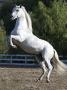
<point>25,79</point>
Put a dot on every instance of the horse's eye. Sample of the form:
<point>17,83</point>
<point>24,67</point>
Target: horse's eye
<point>17,10</point>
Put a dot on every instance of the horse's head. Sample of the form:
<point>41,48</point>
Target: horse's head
<point>18,12</point>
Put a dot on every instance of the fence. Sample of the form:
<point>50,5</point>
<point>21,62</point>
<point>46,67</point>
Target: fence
<point>21,60</point>
<point>18,60</point>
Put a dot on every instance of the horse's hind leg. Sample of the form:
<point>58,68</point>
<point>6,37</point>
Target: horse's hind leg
<point>44,70</point>
<point>47,58</point>
<point>50,67</point>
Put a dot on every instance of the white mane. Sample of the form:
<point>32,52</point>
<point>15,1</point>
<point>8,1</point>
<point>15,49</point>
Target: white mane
<point>28,18</point>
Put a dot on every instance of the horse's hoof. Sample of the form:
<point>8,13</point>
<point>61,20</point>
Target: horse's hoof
<point>47,81</point>
<point>14,46</point>
<point>37,80</point>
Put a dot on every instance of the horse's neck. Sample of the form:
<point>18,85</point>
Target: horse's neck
<point>21,24</point>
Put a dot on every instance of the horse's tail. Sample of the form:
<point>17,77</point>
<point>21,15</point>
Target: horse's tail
<point>60,66</point>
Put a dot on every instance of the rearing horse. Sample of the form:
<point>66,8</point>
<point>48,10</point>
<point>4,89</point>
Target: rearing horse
<point>32,44</point>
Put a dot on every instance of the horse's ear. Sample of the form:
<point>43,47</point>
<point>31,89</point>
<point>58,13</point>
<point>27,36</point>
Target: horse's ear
<point>17,6</point>
<point>20,5</point>
<point>23,7</point>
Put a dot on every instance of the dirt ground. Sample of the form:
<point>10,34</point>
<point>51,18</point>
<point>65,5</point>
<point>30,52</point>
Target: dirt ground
<point>25,79</point>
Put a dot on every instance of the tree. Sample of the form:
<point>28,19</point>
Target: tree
<point>49,20</point>
<point>50,23</point>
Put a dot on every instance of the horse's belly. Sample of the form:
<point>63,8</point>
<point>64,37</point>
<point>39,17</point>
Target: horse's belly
<point>31,48</point>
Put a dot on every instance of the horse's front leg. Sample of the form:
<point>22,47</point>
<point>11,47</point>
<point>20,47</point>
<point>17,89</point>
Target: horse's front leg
<point>11,43</point>
<point>16,37</point>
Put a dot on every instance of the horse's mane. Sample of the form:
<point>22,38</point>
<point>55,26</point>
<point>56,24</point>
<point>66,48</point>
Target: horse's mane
<point>28,18</point>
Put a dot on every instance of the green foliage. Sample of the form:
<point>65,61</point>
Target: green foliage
<point>50,23</point>
<point>49,20</point>
<point>6,16</point>
<point>3,45</point>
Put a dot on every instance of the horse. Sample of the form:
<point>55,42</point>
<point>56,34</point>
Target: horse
<point>23,36</point>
